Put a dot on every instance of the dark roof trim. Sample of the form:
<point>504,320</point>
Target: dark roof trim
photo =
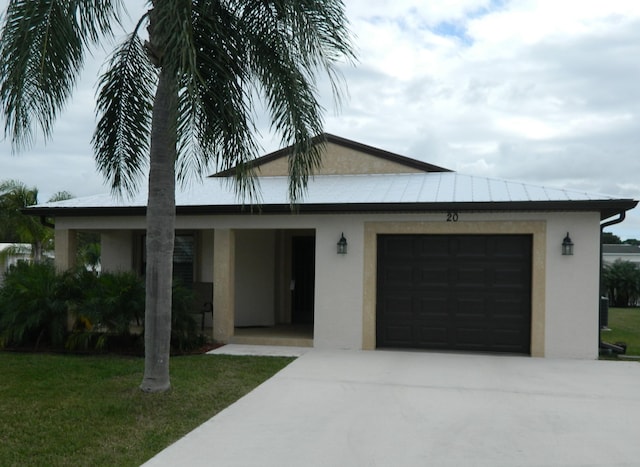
<point>607,208</point>
<point>326,137</point>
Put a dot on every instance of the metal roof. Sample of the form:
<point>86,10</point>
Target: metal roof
<point>413,191</point>
<point>620,249</point>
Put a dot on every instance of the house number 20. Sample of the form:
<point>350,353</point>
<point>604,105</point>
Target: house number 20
<point>452,216</point>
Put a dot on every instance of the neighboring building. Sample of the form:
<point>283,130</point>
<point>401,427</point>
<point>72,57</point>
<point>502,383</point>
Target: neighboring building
<point>623,252</point>
<point>20,252</point>
<point>435,259</point>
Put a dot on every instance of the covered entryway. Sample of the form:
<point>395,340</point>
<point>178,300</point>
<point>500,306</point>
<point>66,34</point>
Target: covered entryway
<point>274,273</point>
<point>303,272</point>
<point>454,292</point>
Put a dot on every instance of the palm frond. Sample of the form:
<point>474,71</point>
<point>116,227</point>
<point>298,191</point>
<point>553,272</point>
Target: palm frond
<point>15,196</point>
<point>216,107</point>
<point>42,48</point>
<point>290,43</point>
<point>125,100</point>
<point>97,17</point>
<point>60,196</point>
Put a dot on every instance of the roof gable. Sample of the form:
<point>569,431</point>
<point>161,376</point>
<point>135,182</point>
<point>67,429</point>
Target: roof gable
<point>341,156</point>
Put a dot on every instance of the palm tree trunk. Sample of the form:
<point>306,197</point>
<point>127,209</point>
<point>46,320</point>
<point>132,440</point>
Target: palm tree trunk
<point>161,213</point>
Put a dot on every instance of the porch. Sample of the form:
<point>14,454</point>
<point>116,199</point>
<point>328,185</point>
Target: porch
<point>294,335</point>
<point>289,335</point>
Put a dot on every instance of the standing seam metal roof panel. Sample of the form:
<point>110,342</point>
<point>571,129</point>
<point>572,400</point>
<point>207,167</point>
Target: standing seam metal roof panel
<point>433,187</point>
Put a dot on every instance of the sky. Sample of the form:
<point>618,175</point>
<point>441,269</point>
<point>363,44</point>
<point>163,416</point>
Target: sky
<point>542,92</point>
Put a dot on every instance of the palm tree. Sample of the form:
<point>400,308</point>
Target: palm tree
<point>14,197</point>
<point>184,98</point>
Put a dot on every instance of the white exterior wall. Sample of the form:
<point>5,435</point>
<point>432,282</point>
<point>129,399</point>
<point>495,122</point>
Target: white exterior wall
<point>572,286</point>
<point>254,278</point>
<point>611,258</point>
<point>116,250</point>
<point>339,285</point>
<point>569,319</point>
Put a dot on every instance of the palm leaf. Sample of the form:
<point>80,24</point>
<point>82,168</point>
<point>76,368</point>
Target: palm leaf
<point>42,48</point>
<point>125,100</point>
<point>217,98</point>
<point>254,49</point>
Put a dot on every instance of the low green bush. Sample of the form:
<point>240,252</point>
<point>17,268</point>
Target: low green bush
<point>33,306</point>
<point>114,303</point>
<point>36,305</point>
<point>184,328</point>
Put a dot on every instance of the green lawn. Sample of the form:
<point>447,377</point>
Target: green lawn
<point>625,327</point>
<point>79,410</point>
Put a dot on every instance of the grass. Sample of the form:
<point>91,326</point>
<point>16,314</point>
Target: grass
<point>78,410</point>
<point>625,327</point>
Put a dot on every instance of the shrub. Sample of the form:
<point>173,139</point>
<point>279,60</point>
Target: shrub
<point>33,308</point>
<point>105,308</point>
<point>184,328</point>
<point>36,303</point>
<point>115,303</point>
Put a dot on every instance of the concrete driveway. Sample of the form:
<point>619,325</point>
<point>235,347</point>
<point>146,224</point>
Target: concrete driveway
<point>393,408</point>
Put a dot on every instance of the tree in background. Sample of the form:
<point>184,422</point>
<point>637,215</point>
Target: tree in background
<point>610,239</point>
<point>14,197</point>
<point>622,282</point>
<point>182,101</point>
<point>89,251</point>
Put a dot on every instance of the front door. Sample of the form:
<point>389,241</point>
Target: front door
<point>303,274</point>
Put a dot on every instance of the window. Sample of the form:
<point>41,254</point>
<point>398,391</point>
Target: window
<point>183,253</point>
<point>183,258</point>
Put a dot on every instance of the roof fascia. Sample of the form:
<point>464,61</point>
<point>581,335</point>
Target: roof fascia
<point>606,208</point>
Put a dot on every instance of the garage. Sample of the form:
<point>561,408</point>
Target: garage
<point>454,292</point>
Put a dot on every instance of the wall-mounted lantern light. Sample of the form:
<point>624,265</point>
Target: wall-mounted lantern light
<point>342,245</point>
<point>567,246</point>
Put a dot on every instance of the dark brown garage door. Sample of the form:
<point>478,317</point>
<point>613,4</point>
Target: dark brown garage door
<point>458,292</point>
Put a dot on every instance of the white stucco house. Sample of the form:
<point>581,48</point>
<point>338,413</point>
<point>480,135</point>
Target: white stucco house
<point>620,252</point>
<point>435,259</point>
<point>10,254</point>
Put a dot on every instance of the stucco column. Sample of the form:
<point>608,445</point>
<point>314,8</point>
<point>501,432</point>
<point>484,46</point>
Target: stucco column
<point>66,249</point>
<point>223,285</point>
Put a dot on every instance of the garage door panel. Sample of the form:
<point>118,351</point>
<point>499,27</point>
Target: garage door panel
<point>433,337</point>
<point>431,276</point>
<point>469,307</point>
<point>470,337</point>
<point>399,334</point>
<point>470,246</point>
<point>507,340</point>
<point>397,274</point>
<point>435,307</point>
<point>399,306</point>
<point>471,277</point>
<point>465,292</point>
<point>511,277</point>
<point>396,248</point>
<point>436,247</point>
<point>514,247</point>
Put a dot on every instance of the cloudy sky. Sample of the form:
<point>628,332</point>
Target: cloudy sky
<point>544,92</point>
